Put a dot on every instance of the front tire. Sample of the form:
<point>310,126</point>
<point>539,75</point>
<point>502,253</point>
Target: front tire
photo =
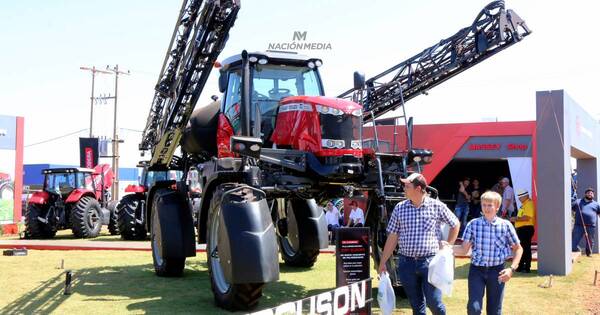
<point>163,267</point>
<point>227,295</point>
<point>113,224</point>
<point>86,218</point>
<point>128,209</point>
<point>34,228</point>
<point>290,234</point>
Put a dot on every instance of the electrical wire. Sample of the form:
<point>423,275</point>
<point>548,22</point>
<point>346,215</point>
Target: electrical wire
<point>70,134</point>
<point>56,138</point>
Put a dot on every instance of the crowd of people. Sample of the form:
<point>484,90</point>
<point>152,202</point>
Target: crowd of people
<point>335,218</point>
<point>468,204</point>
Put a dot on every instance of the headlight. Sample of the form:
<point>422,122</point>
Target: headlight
<point>356,144</point>
<point>333,144</point>
<point>419,156</point>
<point>329,110</point>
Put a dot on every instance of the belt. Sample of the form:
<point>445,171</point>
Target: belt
<point>486,268</point>
<point>416,258</point>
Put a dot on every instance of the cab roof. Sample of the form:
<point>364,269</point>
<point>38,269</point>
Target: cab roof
<point>276,56</point>
<point>67,170</point>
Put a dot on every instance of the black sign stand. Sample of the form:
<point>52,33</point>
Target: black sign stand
<point>353,262</point>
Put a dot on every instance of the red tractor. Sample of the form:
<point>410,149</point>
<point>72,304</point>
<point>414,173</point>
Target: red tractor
<point>72,198</point>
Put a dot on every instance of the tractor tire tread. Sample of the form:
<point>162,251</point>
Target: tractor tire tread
<point>35,229</point>
<point>79,217</point>
<point>126,218</point>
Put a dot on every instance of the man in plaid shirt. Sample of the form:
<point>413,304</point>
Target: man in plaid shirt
<point>492,239</point>
<point>414,227</point>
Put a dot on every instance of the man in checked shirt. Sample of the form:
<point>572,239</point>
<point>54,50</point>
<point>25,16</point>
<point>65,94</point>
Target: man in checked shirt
<point>414,227</point>
<point>492,239</point>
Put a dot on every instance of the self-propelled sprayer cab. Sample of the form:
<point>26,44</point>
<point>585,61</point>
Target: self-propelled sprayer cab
<point>286,109</point>
<point>286,97</point>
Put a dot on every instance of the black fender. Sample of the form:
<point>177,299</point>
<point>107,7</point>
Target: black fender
<point>312,222</point>
<point>175,223</point>
<point>150,198</point>
<point>207,192</point>
<point>247,241</point>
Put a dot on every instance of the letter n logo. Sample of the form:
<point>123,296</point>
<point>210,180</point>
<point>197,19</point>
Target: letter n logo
<point>299,35</point>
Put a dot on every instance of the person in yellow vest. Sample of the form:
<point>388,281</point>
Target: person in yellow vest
<point>524,223</point>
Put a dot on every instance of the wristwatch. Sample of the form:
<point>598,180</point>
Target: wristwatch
<point>512,269</point>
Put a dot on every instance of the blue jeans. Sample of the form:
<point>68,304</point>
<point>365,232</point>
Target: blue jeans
<point>485,279</point>
<point>461,212</point>
<point>578,234</point>
<point>413,276</point>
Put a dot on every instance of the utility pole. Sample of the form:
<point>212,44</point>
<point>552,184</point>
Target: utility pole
<point>116,141</point>
<point>93,70</point>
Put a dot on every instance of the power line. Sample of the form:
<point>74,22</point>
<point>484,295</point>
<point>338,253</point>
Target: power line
<point>56,138</point>
<point>129,129</point>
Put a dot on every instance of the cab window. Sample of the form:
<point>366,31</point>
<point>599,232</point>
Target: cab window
<point>231,110</point>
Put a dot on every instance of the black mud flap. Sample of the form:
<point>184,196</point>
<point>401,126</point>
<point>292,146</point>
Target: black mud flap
<point>312,224</point>
<point>176,225</point>
<point>247,241</point>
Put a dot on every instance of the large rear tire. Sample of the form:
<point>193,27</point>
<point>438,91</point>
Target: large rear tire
<point>227,295</point>
<point>86,218</point>
<point>128,209</point>
<point>113,224</point>
<point>34,228</point>
<point>163,267</point>
<point>290,234</point>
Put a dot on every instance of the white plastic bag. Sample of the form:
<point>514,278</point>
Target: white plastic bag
<point>441,271</point>
<point>385,294</point>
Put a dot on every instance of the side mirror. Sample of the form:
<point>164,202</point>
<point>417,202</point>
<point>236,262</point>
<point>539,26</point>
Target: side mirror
<point>359,80</point>
<point>223,82</point>
<point>246,146</point>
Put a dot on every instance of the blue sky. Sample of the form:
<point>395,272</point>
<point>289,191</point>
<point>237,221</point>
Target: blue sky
<point>45,43</point>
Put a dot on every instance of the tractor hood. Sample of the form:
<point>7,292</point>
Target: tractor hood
<point>321,125</point>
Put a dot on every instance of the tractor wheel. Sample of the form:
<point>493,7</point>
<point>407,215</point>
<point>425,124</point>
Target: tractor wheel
<point>127,209</point>
<point>227,295</point>
<point>163,267</point>
<point>34,228</point>
<point>113,223</point>
<point>290,234</point>
<point>86,218</point>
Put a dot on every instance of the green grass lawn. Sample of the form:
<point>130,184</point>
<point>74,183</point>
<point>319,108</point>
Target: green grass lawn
<point>117,282</point>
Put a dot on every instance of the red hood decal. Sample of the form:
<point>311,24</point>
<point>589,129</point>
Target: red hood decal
<point>342,104</point>
<point>299,127</point>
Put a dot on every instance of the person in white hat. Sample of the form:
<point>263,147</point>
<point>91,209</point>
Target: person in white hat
<point>525,225</point>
